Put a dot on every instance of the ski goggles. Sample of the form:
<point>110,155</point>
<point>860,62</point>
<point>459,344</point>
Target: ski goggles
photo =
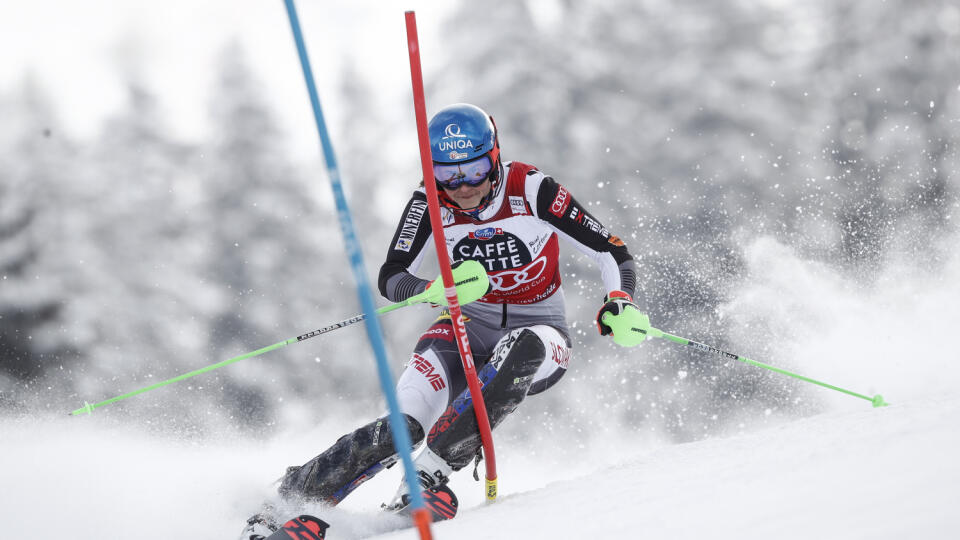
<point>472,173</point>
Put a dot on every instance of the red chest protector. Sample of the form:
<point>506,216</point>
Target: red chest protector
<point>519,251</point>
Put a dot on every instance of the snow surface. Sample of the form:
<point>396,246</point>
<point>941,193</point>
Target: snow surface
<point>850,472</point>
<point>868,473</point>
<point>873,474</point>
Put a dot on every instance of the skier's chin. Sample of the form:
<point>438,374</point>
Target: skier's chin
<point>468,204</point>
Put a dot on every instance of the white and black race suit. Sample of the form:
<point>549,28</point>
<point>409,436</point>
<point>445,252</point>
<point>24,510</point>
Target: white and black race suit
<point>517,332</point>
<point>516,238</point>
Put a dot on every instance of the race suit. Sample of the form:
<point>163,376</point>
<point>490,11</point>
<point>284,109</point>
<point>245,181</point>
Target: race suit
<point>516,240</point>
<point>517,332</point>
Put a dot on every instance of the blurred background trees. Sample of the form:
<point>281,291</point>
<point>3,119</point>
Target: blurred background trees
<point>689,128</point>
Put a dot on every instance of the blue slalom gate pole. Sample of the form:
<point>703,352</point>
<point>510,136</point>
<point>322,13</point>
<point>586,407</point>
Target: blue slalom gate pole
<point>401,436</point>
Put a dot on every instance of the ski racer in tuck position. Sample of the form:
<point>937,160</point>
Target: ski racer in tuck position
<point>508,216</point>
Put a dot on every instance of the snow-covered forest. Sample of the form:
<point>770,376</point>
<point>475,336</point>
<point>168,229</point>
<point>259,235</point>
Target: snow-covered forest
<point>785,174</point>
<point>770,164</point>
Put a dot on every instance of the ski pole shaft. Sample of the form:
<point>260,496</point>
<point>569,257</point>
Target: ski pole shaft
<point>89,407</point>
<point>402,442</point>
<point>876,400</point>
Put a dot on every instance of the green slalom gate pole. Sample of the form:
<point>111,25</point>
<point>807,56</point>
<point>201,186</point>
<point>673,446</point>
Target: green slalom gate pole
<point>89,407</point>
<point>876,400</point>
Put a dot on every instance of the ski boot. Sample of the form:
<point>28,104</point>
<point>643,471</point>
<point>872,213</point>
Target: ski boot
<point>259,527</point>
<point>433,474</point>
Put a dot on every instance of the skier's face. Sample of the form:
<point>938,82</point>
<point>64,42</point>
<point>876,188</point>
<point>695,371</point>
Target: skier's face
<point>467,196</point>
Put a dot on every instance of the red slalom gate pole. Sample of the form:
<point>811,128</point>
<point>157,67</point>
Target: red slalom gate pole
<point>450,291</point>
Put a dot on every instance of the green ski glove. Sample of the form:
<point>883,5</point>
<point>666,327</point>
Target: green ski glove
<point>471,280</point>
<point>622,318</point>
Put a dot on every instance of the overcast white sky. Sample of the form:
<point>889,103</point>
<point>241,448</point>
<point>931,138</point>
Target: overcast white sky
<point>76,50</point>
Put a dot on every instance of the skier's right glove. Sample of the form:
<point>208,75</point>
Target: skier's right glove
<point>472,284</point>
<point>622,318</point>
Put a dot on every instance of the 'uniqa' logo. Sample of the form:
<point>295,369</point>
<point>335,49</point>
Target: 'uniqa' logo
<point>459,142</point>
<point>452,130</point>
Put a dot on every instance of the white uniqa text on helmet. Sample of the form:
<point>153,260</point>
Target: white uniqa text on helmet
<point>459,141</point>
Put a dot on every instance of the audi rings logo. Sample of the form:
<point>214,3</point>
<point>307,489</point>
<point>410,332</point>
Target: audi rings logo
<point>453,130</point>
<point>508,280</point>
<point>560,202</point>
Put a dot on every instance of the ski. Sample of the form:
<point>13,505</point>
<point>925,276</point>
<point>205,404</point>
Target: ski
<point>301,528</point>
<point>439,500</point>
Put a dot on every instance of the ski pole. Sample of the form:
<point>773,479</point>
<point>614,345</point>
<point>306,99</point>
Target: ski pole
<point>402,442</point>
<point>876,400</point>
<point>89,407</point>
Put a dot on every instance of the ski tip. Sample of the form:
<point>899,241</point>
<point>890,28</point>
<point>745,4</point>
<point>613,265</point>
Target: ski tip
<point>304,527</point>
<point>879,402</point>
<point>441,502</point>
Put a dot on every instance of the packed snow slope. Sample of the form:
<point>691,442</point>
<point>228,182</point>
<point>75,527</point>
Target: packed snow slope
<point>848,471</point>
<point>889,473</point>
<point>860,473</point>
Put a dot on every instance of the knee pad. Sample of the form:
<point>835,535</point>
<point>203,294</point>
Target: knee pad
<point>557,358</point>
<point>522,345</point>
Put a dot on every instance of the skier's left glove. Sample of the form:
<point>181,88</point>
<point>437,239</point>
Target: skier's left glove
<point>622,318</point>
<point>472,284</point>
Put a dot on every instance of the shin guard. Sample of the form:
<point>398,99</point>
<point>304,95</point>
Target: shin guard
<point>505,380</point>
<point>352,460</point>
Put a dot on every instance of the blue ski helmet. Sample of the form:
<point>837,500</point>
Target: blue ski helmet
<point>462,132</point>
